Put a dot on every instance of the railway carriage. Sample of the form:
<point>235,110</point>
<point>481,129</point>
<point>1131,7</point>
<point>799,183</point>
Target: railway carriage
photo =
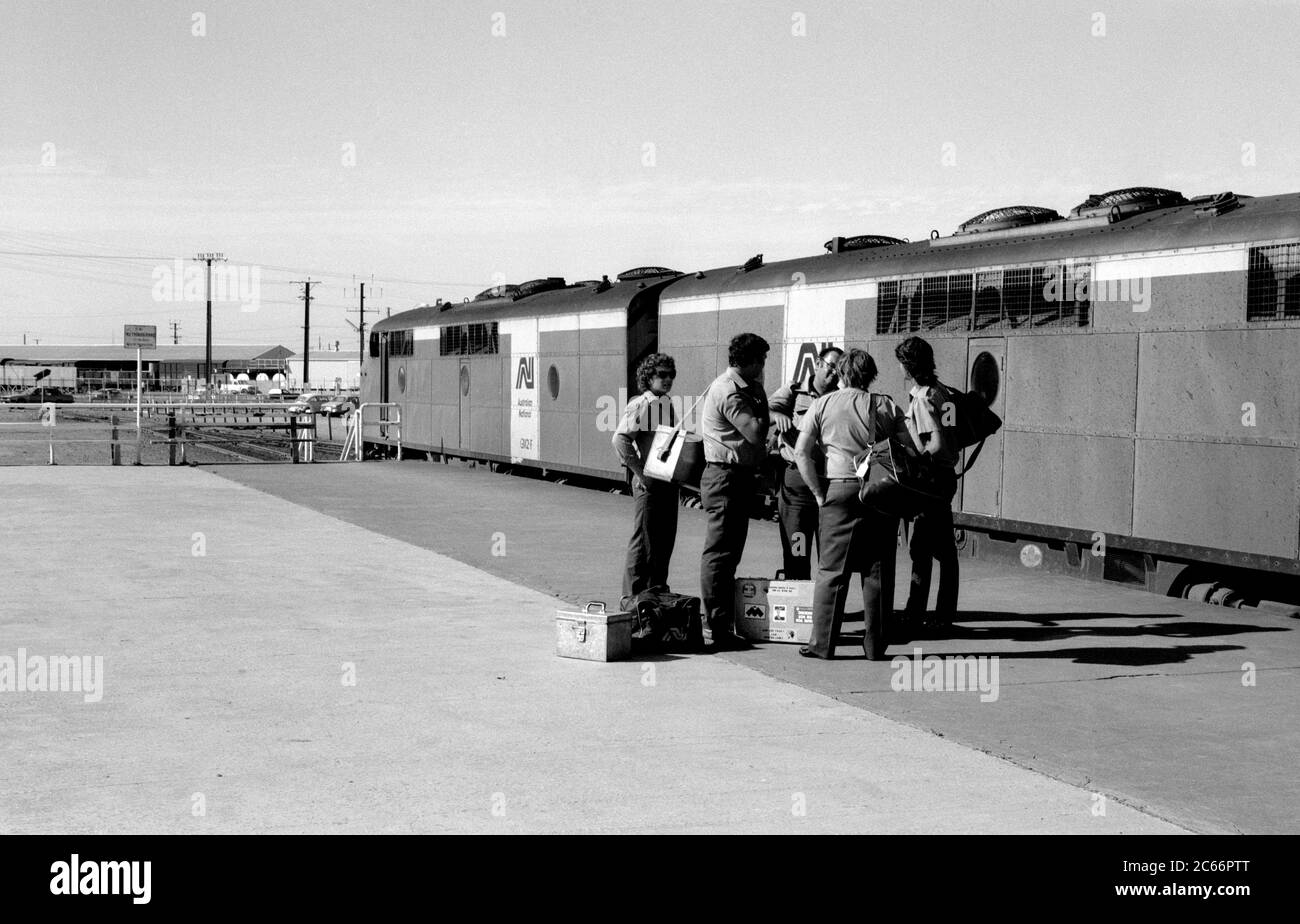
<point>1139,350</point>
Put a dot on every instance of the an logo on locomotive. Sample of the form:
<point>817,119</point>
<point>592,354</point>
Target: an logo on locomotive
<point>524,377</point>
<point>807,360</point>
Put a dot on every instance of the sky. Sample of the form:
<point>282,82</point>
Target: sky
<point>434,149</point>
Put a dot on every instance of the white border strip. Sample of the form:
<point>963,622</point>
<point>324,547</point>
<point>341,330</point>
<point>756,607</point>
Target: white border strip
<point>1227,260</point>
<point>597,320</point>
<point>557,322</point>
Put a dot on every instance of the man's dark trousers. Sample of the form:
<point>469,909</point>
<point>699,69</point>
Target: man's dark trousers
<point>654,533</point>
<point>797,510</point>
<point>932,540</point>
<point>727,494</point>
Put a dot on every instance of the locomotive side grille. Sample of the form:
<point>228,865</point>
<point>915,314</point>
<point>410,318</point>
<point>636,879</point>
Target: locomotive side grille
<point>1273,283</point>
<point>1076,302</point>
<point>1048,295</point>
<point>959,302</point>
<point>401,343</point>
<point>988,300</point>
<point>1016,296</point>
<point>886,307</point>
<point>469,339</point>
<point>934,302</point>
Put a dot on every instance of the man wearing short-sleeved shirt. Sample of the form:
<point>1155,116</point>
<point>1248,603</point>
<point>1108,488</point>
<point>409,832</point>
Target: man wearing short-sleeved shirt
<point>796,508</point>
<point>733,423</point>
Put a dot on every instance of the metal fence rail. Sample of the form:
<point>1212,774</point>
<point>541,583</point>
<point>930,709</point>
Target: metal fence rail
<point>169,432</point>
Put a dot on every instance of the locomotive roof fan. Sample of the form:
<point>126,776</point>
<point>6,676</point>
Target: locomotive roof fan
<point>1119,204</point>
<point>502,291</point>
<point>533,286</point>
<point>860,242</point>
<point>646,272</point>
<point>1011,216</point>
<point>641,273</point>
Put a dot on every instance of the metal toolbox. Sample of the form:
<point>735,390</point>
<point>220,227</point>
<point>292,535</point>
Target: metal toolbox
<point>592,634</point>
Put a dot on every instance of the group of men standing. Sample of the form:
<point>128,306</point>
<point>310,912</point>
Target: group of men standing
<point>740,425</point>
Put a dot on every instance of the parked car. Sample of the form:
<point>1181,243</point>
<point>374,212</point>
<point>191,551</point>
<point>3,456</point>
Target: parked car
<point>338,407</point>
<point>308,404</point>
<point>40,396</point>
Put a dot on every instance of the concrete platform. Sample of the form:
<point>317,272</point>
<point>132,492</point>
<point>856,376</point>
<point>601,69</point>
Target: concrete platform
<point>1102,686</point>
<point>230,622</point>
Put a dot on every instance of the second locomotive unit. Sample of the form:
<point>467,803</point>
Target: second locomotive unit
<point>1139,351</point>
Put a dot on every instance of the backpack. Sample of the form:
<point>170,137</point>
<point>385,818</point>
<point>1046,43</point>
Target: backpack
<point>664,621</point>
<point>973,420</point>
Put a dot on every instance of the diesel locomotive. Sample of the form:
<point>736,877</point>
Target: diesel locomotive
<point>1140,350</point>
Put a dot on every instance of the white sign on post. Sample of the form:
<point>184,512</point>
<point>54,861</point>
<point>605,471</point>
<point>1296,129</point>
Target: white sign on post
<point>141,337</point>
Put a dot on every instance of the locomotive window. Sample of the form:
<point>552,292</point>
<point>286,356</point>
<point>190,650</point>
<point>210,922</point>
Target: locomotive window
<point>553,382</point>
<point>374,343</point>
<point>401,379</point>
<point>984,378</point>
<point>464,380</point>
<point>1273,283</point>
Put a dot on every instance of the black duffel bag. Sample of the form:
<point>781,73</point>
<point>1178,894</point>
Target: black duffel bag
<point>900,482</point>
<point>664,622</point>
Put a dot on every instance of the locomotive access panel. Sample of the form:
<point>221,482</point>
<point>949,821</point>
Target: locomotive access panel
<point>557,364</point>
<point>1068,430</point>
<point>1217,424</point>
<point>981,487</point>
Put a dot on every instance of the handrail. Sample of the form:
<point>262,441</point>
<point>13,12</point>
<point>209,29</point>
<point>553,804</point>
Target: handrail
<point>355,441</point>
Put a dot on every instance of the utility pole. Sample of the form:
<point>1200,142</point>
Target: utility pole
<point>176,331</point>
<point>361,327</point>
<point>306,329</point>
<point>207,356</point>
